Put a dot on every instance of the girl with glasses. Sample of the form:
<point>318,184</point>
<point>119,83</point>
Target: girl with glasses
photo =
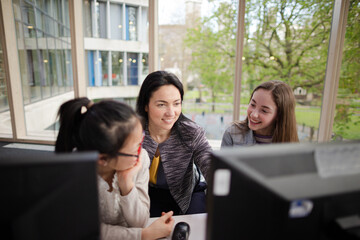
<point>115,131</point>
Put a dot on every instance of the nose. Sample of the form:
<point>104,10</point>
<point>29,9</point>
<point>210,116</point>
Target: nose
<point>255,113</point>
<point>170,111</point>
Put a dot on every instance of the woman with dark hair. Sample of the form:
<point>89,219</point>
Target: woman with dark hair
<point>270,117</point>
<point>178,148</point>
<point>115,131</point>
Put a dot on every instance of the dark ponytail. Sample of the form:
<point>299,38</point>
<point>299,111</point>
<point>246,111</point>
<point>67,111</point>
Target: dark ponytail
<point>103,126</point>
<point>70,118</point>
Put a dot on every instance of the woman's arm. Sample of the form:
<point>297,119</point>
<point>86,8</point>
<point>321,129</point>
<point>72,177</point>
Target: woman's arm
<point>136,204</point>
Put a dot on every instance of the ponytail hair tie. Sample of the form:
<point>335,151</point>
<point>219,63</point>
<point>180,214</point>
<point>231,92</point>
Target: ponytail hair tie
<point>85,108</point>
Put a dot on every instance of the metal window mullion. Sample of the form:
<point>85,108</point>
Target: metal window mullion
<point>238,60</point>
<point>108,30</point>
<point>333,67</point>
<point>153,36</point>
<point>77,47</point>
<point>12,73</point>
<point>123,21</point>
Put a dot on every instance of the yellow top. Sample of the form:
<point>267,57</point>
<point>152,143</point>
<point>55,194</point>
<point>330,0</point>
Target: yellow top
<point>154,169</point>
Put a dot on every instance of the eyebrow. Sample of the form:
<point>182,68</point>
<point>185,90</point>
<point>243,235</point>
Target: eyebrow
<point>163,101</point>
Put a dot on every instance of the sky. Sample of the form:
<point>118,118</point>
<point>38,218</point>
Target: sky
<point>173,11</point>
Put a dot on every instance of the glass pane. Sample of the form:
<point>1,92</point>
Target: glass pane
<point>132,68</point>
<point>46,86</point>
<point>347,116</point>
<point>101,19</point>
<point>117,59</point>
<point>104,68</point>
<point>131,23</point>
<point>197,43</point>
<point>288,41</point>
<point>145,66</point>
<point>90,68</point>
<point>87,18</point>
<point>116,19</point>
<point>5,117</point>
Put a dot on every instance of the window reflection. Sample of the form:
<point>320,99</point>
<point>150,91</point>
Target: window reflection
<point>5,119</point>
<point>42,31</point>
<point>117,63</point>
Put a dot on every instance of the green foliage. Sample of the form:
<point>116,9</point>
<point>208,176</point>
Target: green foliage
<point>212,44</point>
<point>288,41</point>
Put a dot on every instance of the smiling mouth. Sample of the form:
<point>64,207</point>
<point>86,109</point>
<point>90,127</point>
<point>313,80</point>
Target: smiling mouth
<point>168,120</point>
<point>254,122</point>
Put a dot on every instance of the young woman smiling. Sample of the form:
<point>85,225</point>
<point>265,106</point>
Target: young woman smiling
<point>178,148</point>
<point>270,117</point>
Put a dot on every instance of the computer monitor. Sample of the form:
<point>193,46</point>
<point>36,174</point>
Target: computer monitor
<point>44,195</point>
<point>285,191</point>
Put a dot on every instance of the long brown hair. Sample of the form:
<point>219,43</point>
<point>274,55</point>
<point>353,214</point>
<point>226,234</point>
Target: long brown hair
<point>285,129</point>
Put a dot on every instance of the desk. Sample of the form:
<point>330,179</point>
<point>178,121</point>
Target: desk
<point>197,224</point>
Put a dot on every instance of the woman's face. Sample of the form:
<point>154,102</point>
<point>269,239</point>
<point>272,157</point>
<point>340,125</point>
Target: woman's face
<point>262,112</point>
<point>164,108</point>
<point>132,146</point>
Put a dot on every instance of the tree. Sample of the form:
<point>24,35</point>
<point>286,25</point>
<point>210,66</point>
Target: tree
<point>212,44</point>
<point>288,42</point>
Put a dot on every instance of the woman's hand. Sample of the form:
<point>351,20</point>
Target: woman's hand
<point>160,228</point>
<point>126,178</point>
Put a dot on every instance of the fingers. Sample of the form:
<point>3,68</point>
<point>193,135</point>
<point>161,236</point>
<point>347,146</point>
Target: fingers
<point>167,217</point>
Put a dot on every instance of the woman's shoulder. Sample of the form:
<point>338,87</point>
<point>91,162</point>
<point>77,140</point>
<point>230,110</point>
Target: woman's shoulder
<point>239,134</point>
<point>237,128</point>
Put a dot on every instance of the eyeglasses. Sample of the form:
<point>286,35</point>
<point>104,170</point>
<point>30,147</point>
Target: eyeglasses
<point>138,151</point>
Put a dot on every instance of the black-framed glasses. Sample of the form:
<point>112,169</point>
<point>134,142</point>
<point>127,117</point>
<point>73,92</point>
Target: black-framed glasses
<point>138,151</point>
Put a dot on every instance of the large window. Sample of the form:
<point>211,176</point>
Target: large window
<point>347,115</point>
<point>5,119</point>
<point>288,41</point>
<point>285,40</point>
<point>43,31</point>
<point>197,41</point>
